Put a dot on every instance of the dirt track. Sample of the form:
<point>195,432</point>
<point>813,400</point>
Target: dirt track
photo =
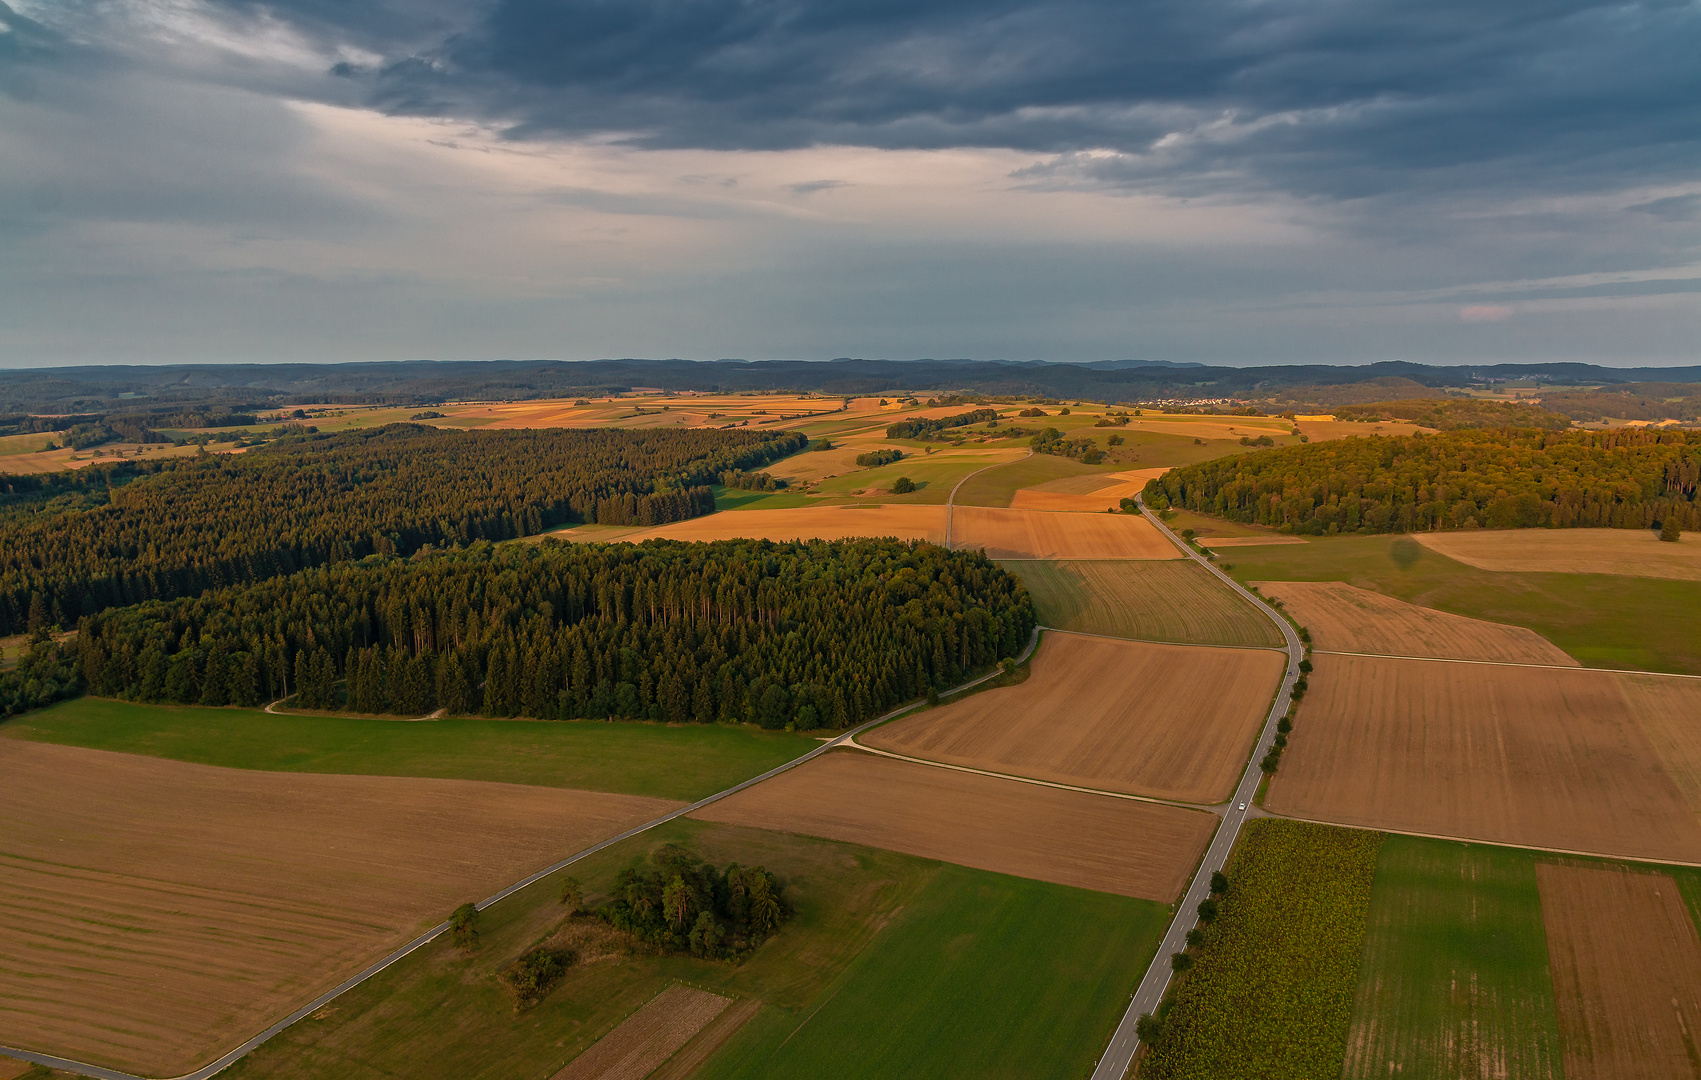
<point>158,911</point>
<point>1342,618</point>
<point>1091,841</point>
<point>1166,721</point>
<point>1035,534</point>
<point>1530,756</point>
<point>1626,965</point>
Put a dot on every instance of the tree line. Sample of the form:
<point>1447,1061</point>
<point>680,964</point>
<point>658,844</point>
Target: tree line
<point>921,427</point>
<point>154,530</point>
<point>804,634</point>
<point>1628,478</point>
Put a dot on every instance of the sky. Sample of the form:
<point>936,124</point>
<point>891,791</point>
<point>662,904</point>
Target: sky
<point>1222,181</point>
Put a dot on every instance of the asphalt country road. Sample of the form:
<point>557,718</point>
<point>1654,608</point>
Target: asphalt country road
<point>1119,1055</point>
<point>230,1058</point>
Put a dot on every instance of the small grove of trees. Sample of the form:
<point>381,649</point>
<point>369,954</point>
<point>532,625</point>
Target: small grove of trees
<point>807,634</point>
<point>919,427</point>
<point>743,481</point>
<point>1503,478</point>
<point>1081,447</point>
<point>876,458</point>
<point>683,904</point>
<point>903,485</point>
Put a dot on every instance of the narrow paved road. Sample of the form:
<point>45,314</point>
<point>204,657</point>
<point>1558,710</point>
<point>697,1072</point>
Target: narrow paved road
<point>844,739</point>
<point>1120,1053</point>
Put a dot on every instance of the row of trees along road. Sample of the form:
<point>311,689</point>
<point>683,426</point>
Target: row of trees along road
<point>1628,478</point>
<point>810,634</point>
<point>109,536</point>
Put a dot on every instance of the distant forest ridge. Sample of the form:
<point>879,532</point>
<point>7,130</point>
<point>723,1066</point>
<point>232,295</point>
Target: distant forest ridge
<point>224,387</point>
<point>77,543</point>
<point>1628,478</point>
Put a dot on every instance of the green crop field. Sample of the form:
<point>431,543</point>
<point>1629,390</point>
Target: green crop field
<point>981,976</point>
<point>1454,979</point>
<point>1645,624</point>
<point>1153,601</point>
<point>996,487</point>
<point>441,1014</point>
<point>686,762</point>
<point>1271,994</point>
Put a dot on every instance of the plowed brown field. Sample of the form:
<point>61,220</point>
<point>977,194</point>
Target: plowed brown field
<point>1528,756</point>
<point>808,523</point>
<point>1342,618</point>
<point>1669,711</point>
<point>1626,965</point>
<point>1631,552</point>
<point>1091,841</point>
<point>1037,534</point>
<point>158,912</point>
<point>1167,721</point>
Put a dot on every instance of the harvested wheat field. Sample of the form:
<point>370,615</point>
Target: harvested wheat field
<point>1626,965</point>
<point>1170,600</point>
<point>1537,757</point>
<point>1099,499</point>
<point>158,912</point>
<point>809,523</point>
<point>641,1042</point>
<point>1166,721</point>
<point>1342,618</point>
<point>1037,534</point>
<point>1247,541</point>
<point>1669,712</point>
<point>1070,838</point>
<point>1628,552</point>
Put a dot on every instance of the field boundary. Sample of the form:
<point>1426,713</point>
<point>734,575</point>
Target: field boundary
<point>1209,808</point>
<point>1497,663</point>
<point>1605,855</point>
<point>951,499</point>
<point>1119,1053</point>
<point>1183,644</point>
<point>231,1057</point>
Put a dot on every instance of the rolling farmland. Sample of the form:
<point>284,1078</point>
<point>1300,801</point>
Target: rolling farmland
<point>1094,713</point>
<point>1626,552</point>
<point>1037,534</point>
<point>1174,600</point>
<point>1065,837</point>
<point>809,523</point>
<point>160,912</point>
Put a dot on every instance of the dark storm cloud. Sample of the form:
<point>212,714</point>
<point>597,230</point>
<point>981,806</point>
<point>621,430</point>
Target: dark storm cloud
<point>1336,98</point>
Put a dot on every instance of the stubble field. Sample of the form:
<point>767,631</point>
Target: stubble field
<point>1170,600</point>
<point>1069,838</point>
<point>1165,721</point>
<point>159,912</point>
<point>1342,618</point>
<point>1626,972</point>
<point>1036,534</point>
<point>1627,552</point>
<point>1525,756</point>
<point>806,523</point>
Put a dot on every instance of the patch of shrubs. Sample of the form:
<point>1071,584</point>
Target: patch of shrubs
<point>534,974</point>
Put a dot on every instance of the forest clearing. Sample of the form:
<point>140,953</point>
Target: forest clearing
<point>1074,720</point>
<point>1070,838</point>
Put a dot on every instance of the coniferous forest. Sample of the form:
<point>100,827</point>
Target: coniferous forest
<point>1628,478</point>
<point>107,536</point>
<point>805,634</point>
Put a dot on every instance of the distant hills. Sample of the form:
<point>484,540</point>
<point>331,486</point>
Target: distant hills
<point>103,388</point>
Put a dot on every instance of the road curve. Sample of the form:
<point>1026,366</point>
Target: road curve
<point>1120,1053</point>
<point>951,499</point>
<point>229,1059</point>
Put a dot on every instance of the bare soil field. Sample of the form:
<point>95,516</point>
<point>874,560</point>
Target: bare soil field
<point>159,912</point>
<point>643,1041</point>
<point>808,523</point>
<point>1669,711</point>
<point>1627,552</point>
<point>694,1054</point>
<point>1528,756</point>
<point>1157,600</point>
<point>1343,618</point>
<point>1070,838</point>
<point>1166,721</point>
<point>1035,534</point>
<point>1626,965</point>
